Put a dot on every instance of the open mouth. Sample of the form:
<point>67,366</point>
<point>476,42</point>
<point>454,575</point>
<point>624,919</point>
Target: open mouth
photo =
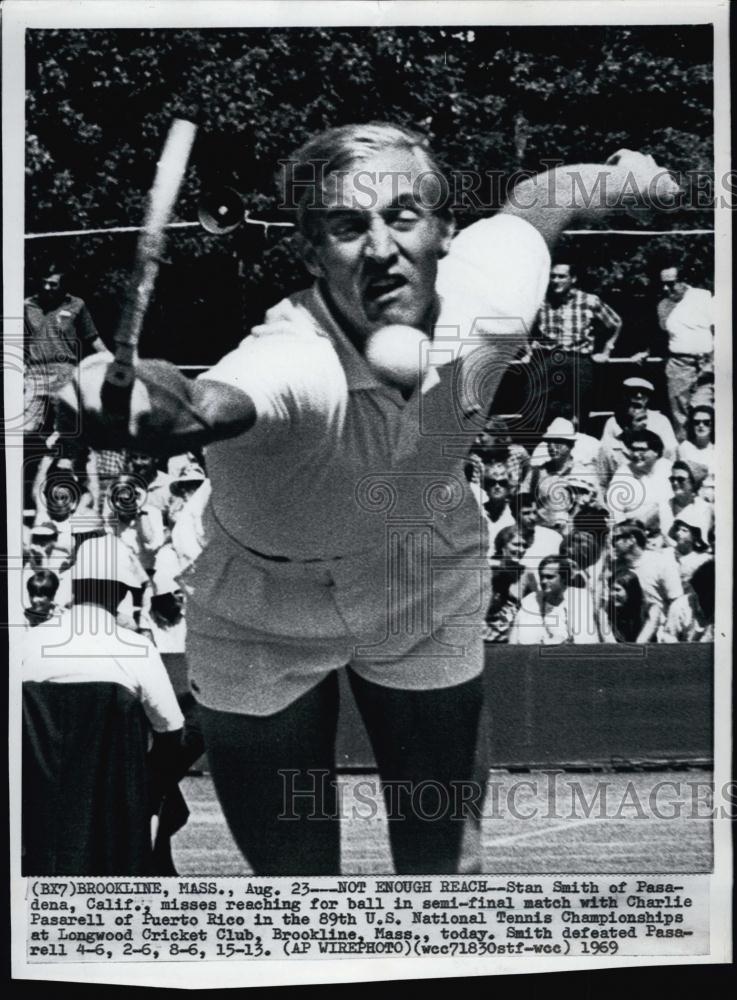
<point>385,285</point>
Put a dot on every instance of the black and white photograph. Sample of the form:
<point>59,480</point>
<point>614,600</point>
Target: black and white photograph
<point>368,450</point>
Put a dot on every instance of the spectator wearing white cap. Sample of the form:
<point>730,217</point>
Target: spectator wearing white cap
<point>686,314</point>
<point>641,485</point>
<point>549,482</point>
<point>632,412</point>
<point>690,548</point>
<point>585,447</point>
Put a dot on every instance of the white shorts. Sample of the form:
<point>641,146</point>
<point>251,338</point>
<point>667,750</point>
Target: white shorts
<point>261,633</point>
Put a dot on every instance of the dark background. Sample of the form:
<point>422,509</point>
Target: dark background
<point>99,103</point>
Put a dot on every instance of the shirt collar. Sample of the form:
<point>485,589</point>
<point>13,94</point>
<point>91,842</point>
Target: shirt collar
<point>357,370</point>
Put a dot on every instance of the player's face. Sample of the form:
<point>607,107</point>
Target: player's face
<point>379,245</point>
<point>561,280</point>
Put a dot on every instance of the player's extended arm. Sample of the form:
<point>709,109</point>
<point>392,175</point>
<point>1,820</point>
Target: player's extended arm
<point>169,413</point>
<point>551,201</point>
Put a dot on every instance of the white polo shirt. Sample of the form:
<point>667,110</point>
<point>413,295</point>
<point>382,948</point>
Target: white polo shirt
<point>362,491</point>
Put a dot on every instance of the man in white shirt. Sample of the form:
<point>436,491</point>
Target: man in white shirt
<point>640,485</point>
<point>320,465</point>
<point>686,314</point>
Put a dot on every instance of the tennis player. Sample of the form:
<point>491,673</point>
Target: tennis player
<point>341,530</point>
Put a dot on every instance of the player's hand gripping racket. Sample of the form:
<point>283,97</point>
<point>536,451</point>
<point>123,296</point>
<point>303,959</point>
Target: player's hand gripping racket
<point>117,388</point>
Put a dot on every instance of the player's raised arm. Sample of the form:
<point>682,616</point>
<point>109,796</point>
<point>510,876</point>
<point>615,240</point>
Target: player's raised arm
<point>552,200</point>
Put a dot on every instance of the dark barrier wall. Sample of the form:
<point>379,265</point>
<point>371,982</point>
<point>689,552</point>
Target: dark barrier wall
<point>581,705</point>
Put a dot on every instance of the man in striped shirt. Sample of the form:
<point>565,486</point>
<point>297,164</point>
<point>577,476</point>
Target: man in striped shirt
<point>568,323</point>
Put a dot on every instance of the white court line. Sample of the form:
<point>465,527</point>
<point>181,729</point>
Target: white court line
<point>512,838</point>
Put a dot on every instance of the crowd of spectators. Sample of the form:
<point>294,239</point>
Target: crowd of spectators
<point>607,539</point>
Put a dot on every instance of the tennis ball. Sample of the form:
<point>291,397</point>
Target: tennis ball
<point>398,354</point>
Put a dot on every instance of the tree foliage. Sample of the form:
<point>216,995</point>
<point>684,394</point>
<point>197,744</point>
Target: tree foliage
<point>99,103</point>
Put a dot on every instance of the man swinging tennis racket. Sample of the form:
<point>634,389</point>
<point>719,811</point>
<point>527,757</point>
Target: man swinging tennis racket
<point>315,454</point>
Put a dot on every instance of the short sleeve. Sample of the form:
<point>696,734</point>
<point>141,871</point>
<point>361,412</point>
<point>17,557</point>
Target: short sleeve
<point>289,370</point>
<point>495,277</point>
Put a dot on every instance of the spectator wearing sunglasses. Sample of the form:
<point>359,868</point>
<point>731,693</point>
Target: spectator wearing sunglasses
<point>497,490</point>
<point>685,502</point>
<point>698,448</point>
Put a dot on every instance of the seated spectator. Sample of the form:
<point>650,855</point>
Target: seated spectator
<point>103,468</point>
<point>627,609</point>
<point>504,603</point>
<point>495,444</point>
<point>613,452</point>
<point>685,501</point>
<point>539,540</point>
<point>63,503</point>
<point>636,395</point>
<point>585,447</point>
<point>510,581</point>
<point>549,481</point>
<point>42,587</point>
<point>666,604</point>
<point>557,613</point>
<point>587,558</point>
<point>40,549</point>
<point>641,485</point>
<point>587,513</point>
<point>153,480</point>
<point>698,448</point>
<point>689,546</point>
<point>497,489</point>
<point>134,521</point>
<point>188,482</point>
